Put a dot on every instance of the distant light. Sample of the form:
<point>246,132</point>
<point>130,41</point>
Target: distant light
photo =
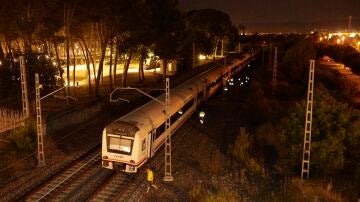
<point>338,41</point>
<point>202,114</point>
<point>352,35</point>
<point>54,63</point>
<point>0,63</point>
<point>248,65</point>
<point>321,39</point>
<point>226,89</point>
<point>202,57</point>
<point>46,56</point>
<point>180,112</point>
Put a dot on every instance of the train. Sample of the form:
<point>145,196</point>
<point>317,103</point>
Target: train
<point>131,140</point>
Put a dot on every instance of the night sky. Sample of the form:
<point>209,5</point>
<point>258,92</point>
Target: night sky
<point>284,15</point>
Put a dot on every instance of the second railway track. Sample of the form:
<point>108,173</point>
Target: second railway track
<point>63,183</point>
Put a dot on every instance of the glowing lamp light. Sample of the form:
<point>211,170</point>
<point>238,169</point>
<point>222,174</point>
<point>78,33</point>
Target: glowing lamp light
<point>202,57</point>
<point>202,114</point>
<point>0,63</point>
<point>352,35</point>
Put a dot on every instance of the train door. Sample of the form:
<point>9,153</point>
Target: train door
<point>151,137</point>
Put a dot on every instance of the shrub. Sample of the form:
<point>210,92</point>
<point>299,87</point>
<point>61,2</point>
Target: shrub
<point>23,138</point>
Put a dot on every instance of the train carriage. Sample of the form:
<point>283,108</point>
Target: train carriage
<point>128,142</point>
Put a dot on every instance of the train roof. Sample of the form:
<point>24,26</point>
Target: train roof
<point>122,128</point>
<point>152,114</point>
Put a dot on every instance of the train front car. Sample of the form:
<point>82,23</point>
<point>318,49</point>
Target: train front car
<point>118,146</point>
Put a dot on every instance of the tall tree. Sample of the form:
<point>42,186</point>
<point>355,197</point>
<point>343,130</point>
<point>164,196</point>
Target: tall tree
<point>166,19</point>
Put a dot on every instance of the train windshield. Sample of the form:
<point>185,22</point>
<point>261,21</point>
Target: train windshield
<point>120,145</point>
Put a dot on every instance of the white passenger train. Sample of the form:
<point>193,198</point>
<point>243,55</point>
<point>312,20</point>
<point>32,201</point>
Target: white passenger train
<point>131,140</point>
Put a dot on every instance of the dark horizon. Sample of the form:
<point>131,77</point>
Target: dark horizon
<point>302,26</point>
<point>284,15</point>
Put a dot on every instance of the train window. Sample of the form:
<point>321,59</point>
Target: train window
<point>174,117</point>
<point>120,145</point>
<point>160,130</point>
<point>143,145</point>
<point>187,106</point>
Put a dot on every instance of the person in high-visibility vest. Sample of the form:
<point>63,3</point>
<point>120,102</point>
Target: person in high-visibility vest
<point>150,179</point>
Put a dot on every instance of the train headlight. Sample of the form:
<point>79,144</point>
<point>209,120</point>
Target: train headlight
<point>105,157</point>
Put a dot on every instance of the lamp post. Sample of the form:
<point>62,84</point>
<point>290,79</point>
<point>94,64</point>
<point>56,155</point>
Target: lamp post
<point>167,175</point>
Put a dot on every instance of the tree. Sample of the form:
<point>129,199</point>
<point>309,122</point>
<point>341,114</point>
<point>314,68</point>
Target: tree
<point>166,20</point>
<point>334,127</point>
<point>211,24</point>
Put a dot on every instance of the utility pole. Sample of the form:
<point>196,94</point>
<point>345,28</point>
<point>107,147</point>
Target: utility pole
<point>24,89</point>
<point>270,54</point>
<point>222,47</point>
<point>349,23</point>
<point>194,55</point>
<point>40,143</point>
<point>305,168</point>
<point>167,177</point>
<point>274,82</point>
<point>263,56</point>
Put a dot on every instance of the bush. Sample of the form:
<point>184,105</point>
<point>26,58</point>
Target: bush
<point>221,194</point>
<point>23,138</point>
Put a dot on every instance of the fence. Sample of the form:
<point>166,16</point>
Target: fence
<point>10,119</point>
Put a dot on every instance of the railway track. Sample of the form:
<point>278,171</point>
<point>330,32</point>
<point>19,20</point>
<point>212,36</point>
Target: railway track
<point>114,187</point>
<point>69,179</point>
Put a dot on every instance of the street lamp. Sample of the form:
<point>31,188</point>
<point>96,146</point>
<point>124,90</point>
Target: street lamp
<point>167,175</point>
